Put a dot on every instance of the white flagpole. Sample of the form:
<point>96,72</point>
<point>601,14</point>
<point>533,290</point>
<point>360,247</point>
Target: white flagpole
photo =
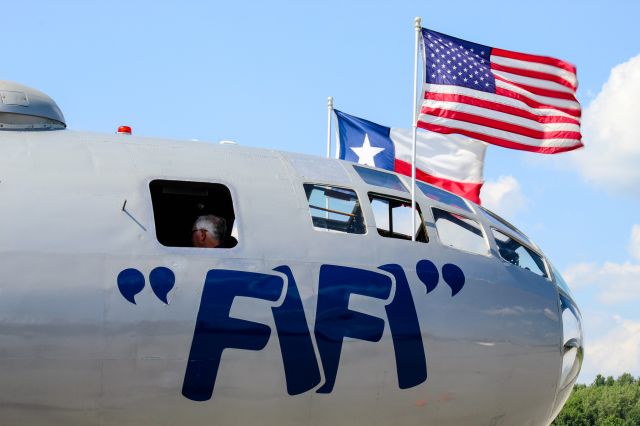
<point>329,111</point>
<point>414,119</point>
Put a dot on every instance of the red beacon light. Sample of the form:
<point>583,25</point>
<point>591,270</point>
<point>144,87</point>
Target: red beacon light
<point>124,130</point>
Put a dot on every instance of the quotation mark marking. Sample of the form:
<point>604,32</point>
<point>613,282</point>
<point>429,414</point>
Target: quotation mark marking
<point>131,282</point>
<point>452,275</point>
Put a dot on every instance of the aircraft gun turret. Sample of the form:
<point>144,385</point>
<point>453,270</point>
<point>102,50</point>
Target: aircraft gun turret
<point>24,108</point>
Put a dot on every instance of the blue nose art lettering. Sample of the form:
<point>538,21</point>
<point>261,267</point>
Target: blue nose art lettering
<point>454,277</point>
<point>411,362</point>
<point>299,359</point>
<point>334,320</point>
<point>428,274</point>
<point>162,281</point>
<point>216,331</point>
<point>130,283</point>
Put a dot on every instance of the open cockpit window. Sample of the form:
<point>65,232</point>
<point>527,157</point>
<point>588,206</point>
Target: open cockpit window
<point>394,220</point>
<point>334,209</point>
<point>193,214</point>
<point>460,232</point>
<point>518,254</point>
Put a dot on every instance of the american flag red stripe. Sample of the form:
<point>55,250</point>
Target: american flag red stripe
<point>501,125</point>
<point>533,74</point>
<point>494,140</point>
<point>500,107</point>
<point>512,99</point>
<point>558,63</point>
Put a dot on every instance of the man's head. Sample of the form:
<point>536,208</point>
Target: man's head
<point>208,231</point>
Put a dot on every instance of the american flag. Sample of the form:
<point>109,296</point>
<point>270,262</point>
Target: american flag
<point>515,100</point>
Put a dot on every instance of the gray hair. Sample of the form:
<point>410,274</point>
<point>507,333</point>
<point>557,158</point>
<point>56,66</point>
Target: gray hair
<point>215,225</point>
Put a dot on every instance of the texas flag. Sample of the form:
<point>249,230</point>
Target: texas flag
<point>451,162</point>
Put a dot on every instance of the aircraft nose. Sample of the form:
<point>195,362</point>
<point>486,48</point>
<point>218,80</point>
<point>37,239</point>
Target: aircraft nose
<point>572,342</point>
<point>572,350</point>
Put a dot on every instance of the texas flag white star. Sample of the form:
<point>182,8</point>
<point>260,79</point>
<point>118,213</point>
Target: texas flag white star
<point>366,152</point>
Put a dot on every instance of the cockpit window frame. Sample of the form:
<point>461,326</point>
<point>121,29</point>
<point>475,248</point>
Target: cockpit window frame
<point>422,225</point>
<point>485,237</point>
<point>547,270</point>
<point>497,222</point>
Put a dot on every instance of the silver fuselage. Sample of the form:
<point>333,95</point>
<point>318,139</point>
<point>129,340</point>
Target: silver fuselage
<point>73,350</point>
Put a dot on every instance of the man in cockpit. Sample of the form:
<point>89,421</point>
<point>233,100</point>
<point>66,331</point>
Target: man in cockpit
<point>208,231</point>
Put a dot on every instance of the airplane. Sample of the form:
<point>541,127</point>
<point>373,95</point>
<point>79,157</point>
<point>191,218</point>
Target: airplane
<point>318,309</point>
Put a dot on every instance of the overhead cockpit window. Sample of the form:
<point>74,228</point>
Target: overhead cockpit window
<point>460,232</point>
<point>193,214</point>
<point>442,196</point>
<point>518,254</point>
<point>393,218</point>
<point>335,209</point>
<point>498,221</point>
<point>380,178</point>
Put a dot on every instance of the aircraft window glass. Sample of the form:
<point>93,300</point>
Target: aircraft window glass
<point>335,209</point>
<point>442,196</point>
<point>459,232</point>
<point>393,218</point>
<point>518,254</point>
<point>179,208</point>
<point>498,221</point>
<point>379,178</point>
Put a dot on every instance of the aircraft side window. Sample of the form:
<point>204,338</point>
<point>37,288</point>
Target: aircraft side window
<point>193,214</point>
<point>335,209</point>
<point>393,218</point>
<point>518,254</point>
<point>459,232</point>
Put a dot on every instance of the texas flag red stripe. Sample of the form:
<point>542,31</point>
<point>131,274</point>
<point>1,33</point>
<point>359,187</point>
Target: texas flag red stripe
<point>468,190</point>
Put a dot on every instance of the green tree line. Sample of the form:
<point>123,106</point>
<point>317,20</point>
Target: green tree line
<point>605,402</point>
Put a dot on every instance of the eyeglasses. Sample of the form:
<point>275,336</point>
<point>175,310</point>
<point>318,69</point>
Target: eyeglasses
<point>196,230</point>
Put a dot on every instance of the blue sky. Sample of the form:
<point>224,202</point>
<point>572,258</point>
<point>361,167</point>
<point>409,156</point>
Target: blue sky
<point>259,73</point>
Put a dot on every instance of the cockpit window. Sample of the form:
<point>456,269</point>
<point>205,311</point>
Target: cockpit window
<point>335,209</point>
<point>518,254</point>
<point>442,196</point>
<point>381,179</point>
<point>393,218</point>
<point>193,214</point>
<point>459,232</point>
<point>498,221</point>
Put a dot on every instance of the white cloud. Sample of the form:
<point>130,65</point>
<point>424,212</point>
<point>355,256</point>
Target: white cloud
<point>615,352</point>
<point>613,282</point>
<point>611,132</point>
<point>503,196</point>
<point>634,245</point>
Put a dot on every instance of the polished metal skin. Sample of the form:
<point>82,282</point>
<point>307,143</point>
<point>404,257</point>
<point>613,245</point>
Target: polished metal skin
<point>76,211</point>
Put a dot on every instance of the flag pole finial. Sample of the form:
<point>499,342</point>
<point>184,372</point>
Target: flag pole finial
<point>418,21</point>
<point>329,111</point>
